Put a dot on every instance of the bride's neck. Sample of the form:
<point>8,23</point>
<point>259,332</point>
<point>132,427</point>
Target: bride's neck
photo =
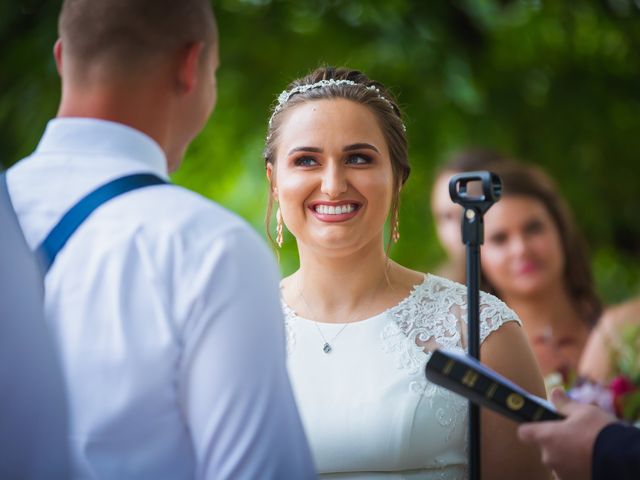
<point>340,282</point>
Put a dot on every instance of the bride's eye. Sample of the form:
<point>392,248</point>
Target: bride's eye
<point>305,161</point>
<point>359,159</point>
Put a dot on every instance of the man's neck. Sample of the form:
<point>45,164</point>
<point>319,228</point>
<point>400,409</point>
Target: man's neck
<point>137,108</point>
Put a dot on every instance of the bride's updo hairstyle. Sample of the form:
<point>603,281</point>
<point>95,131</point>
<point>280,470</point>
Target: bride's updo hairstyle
<point>327,83</point>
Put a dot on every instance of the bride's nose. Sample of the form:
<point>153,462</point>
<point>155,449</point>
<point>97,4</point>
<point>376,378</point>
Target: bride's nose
<point>334,180</point>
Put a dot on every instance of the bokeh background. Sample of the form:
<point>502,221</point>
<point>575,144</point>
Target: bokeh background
<point>555,83</point>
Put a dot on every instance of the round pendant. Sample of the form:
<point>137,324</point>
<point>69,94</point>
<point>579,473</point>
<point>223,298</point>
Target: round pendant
<point>326,348</point>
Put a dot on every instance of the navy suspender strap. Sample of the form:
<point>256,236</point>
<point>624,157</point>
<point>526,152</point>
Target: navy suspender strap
<point>69,223</point>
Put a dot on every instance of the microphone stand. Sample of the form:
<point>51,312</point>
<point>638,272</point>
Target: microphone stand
<point>474,208</point>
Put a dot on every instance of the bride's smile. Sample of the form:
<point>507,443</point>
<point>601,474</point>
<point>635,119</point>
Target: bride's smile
<point>335,211</point>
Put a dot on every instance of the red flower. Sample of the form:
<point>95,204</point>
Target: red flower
<point>620,386</point>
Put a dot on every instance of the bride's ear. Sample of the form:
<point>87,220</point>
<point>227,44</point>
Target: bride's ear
<point>270,176</point>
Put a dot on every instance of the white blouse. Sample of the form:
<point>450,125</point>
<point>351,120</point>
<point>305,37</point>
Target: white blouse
<point>367,408</point>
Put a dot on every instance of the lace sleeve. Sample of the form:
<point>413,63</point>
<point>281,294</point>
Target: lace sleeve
<point>435,315</point>
<point>493,314</point>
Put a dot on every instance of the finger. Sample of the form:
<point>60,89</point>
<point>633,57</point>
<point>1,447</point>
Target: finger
<point>532,432</point>
<point>564,404</point>
<point>559,397</point>
<point>527,433</point>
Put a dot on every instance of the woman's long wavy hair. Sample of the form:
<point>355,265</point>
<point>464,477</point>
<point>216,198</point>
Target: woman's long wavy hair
<point>529,181</point>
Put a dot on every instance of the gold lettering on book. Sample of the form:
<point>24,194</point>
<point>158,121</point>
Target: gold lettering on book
<point>470,378</point>
<point>515,401</point>
<point>492,390</point>
<point>447,368</point>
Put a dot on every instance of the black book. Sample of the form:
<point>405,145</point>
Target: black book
<point>467,377</point>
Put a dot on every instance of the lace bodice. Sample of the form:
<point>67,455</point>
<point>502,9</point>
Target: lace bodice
<point>367,407</point>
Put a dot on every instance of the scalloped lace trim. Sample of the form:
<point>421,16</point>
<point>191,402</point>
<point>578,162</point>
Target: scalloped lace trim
<point>434,316</point>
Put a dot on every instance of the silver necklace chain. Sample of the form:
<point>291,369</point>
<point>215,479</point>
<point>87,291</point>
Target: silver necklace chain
<point>327,347</point>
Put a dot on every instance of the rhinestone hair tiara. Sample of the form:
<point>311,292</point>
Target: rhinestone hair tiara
<point>284,97</point>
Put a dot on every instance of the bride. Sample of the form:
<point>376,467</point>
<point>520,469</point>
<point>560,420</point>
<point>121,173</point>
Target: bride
<point>361,327</point>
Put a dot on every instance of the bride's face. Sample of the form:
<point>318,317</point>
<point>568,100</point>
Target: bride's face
<point>332,177</point>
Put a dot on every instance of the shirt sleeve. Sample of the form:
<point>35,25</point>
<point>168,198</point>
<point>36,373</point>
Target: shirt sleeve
<point>236,394</point>
<point>616,453</point>
<point>33,409</point>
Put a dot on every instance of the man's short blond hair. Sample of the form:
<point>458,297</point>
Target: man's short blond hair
<point>128,33</point>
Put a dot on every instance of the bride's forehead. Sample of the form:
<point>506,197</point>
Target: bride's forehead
<point>330,120</point>
<point>339,110</point>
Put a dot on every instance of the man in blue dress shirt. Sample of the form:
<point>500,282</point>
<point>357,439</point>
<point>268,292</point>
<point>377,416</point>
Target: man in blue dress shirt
<point>164,306</point>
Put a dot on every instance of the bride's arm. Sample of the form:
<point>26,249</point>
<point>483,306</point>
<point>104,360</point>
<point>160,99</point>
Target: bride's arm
<point>503,456</point>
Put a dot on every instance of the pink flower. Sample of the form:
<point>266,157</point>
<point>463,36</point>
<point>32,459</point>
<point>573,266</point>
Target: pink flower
<point>620,386</point>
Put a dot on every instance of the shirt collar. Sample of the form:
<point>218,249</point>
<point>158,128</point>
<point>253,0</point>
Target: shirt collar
<point>102,137</point>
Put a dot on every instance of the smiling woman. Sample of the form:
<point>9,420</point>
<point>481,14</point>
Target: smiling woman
<point>535,259</point>
<point>333,193</point>
<point>373,96</point>
<point>361,327</point>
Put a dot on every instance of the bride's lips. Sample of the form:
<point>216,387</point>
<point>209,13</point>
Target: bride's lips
<point>335,211</point>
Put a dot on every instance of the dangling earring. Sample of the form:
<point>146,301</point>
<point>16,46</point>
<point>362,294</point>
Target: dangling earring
<point>395,232</point>
<point>279,228</point>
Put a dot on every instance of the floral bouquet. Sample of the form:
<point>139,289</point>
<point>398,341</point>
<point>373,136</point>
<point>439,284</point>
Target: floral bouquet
<point>621,396</point>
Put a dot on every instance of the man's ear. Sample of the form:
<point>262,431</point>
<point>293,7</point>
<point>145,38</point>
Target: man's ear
<point>57,55</point>
<point>189,66</point>
<point>270,177</point>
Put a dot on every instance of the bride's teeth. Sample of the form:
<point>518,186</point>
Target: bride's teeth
<point>335,210</point>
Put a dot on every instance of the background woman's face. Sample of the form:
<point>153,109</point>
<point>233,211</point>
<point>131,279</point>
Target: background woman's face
<point>522,254</point>
<point>447,216</point>
<point>333,178</point>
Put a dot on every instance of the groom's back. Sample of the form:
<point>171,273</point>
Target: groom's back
<point>162,304</point>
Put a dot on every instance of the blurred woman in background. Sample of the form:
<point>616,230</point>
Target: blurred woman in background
<point>535,260</point>
<point>447,215</point>
<point>595,364</point>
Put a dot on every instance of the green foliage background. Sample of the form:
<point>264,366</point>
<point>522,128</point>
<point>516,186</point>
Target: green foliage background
<point>555,83</point>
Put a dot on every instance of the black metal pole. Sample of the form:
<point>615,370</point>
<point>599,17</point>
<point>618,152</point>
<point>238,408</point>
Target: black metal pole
<point>473,339</point>
<point>473,236</point>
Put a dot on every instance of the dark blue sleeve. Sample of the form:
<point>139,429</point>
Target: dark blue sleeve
<point>616,453</point>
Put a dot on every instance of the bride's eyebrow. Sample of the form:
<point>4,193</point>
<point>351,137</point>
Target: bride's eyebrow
<point>360,146</point>
<point>305,149</point>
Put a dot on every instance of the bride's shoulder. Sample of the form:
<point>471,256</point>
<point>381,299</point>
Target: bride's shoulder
<point>490,305</point>
<point>450,297</point>
<point>430,285</point>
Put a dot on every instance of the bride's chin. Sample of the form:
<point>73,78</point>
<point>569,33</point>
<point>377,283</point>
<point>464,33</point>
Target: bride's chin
<point>331,245</point>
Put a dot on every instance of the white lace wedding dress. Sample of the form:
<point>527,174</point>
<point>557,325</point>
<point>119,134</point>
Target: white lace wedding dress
<point>367,408</point>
